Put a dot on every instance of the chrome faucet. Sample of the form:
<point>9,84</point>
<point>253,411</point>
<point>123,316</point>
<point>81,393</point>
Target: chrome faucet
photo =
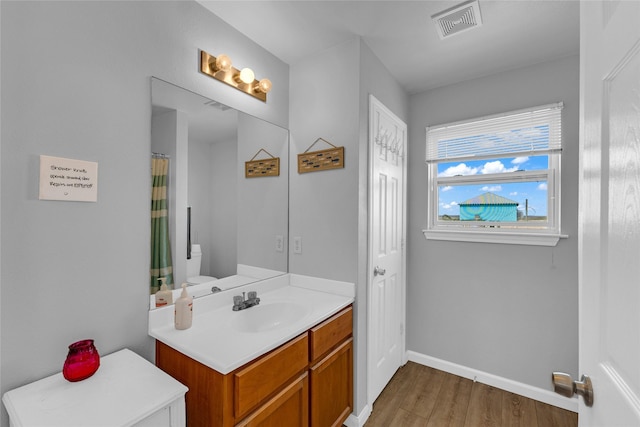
<point>240,303</point>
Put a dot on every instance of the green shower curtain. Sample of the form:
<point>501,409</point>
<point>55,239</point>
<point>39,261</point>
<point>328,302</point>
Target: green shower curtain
<point>161,263</point>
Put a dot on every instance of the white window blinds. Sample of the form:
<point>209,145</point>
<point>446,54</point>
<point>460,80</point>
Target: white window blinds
<point>535,130</point>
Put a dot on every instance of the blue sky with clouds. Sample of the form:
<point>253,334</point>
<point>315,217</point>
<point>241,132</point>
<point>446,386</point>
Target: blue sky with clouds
<point>534,192</point>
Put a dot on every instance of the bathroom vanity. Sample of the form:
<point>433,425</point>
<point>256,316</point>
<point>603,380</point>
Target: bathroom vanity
<point>287,361</point>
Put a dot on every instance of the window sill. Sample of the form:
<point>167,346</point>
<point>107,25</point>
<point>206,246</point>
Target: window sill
<point>509,238</point>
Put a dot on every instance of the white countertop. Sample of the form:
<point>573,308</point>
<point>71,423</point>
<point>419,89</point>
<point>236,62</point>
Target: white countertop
<point>125,390</point>
<point>214,339</point>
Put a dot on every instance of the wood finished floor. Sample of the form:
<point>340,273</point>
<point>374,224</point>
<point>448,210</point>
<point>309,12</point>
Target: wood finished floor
<point>421,396</point>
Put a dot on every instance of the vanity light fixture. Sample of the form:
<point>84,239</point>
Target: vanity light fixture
<point>220,68</point>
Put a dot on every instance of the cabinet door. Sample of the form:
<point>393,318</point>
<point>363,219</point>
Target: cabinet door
<point>288,408</point>
<point>332,387</point>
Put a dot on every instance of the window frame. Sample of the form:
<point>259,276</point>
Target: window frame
<point>496,232</point>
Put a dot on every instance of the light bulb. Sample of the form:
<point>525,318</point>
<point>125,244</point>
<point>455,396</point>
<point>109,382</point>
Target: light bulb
<point>247,76</point>
<point>223,63</point>
<point>263,86</point>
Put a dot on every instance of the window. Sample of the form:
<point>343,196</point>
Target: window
<point>496,178</point>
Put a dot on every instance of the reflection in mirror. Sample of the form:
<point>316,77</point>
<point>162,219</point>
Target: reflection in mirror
<point>225,229</point>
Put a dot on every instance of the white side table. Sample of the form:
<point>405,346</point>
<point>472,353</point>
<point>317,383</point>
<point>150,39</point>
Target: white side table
<point>126,390</point>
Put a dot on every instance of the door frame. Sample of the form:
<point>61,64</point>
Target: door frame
<point>403,283</point>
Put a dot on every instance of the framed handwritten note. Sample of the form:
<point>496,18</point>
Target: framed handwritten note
<point>68,179</point>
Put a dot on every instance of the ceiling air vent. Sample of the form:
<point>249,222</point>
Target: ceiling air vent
<point>216,104</point>
<point>458,19</point>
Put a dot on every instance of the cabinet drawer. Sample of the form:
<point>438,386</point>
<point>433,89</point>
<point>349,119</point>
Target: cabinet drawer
<point>261,379</point>
<point>330,333</point>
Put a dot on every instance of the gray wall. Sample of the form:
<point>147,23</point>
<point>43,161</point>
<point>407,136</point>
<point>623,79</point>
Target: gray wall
<point>199,197</point>
<point>223,254</point>
<point>262,201</point>
<point>324,206</point>
<point>375,80</point>
<point>76,83</point>
<point>508,310</point>
<point>328,209</point>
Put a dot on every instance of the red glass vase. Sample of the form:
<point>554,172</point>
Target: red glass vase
<point>82,361</point>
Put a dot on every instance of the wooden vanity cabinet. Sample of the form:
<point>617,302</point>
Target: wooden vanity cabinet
<point>306,381</point>
<point>217,400</point>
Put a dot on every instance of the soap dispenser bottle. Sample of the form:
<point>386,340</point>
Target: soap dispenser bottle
<point>184,309</point>
<point>164,296</point>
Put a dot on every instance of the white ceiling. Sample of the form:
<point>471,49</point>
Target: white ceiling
<point>514,34</point>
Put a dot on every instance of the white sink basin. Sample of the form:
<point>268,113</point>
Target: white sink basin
<point>266,317</point>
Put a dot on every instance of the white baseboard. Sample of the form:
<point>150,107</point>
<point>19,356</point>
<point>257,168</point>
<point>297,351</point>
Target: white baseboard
<point>360,419</point>
<point>545,396</point>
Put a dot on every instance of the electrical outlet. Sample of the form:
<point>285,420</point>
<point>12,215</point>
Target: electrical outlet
<point>279,243</point>
<point>297,245</point>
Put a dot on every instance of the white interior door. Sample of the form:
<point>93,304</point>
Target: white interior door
<point>386,291</point>
<point>610,212</point>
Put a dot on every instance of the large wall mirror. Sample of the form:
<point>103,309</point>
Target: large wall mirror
<point>233,226</point>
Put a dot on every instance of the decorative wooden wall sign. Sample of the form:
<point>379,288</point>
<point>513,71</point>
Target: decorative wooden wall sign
<point>265,167</point>
<point>312,161</point>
